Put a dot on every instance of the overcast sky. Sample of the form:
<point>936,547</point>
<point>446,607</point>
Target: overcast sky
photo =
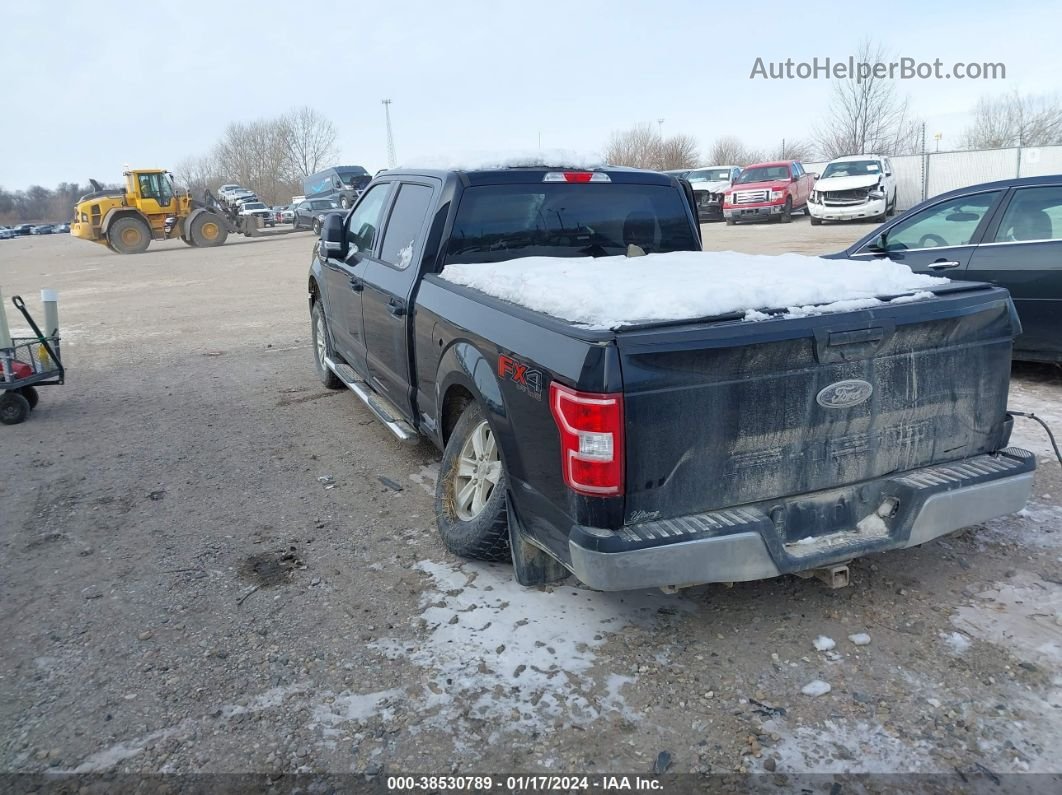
<point>91,86</point>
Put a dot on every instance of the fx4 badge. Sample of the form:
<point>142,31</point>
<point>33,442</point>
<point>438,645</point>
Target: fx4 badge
<point>529,381</point>
<point>844,394</point>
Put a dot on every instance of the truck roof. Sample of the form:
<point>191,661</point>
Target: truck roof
<point>533,173</point>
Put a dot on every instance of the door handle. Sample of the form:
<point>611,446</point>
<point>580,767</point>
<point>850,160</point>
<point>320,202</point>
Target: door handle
<point>396,308</point>
<point>356,284</point>
<point>943,265</point>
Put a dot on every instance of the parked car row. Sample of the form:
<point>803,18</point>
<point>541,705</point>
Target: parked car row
<point>856,187</point>
<point>7,233</point>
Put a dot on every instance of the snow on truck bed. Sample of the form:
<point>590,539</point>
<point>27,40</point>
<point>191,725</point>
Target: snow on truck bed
<point>609,292</point>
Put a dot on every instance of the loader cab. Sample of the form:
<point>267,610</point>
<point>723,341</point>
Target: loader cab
<point>153,191</point>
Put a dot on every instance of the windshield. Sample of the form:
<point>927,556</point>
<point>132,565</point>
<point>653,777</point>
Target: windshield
<point>501,222</point>
<point>254,206</point>
<point>709,175</point>
<point>852,168</point>
<point>323,204</point>
<point>763,174</point>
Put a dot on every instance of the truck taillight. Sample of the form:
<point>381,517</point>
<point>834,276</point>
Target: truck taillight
<point>591,435</point>
<point>576,176</point>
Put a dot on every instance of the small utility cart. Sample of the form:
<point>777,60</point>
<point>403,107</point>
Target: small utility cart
<point>28,362</point>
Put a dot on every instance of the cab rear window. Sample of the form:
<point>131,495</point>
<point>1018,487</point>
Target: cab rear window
<point>501,222</point>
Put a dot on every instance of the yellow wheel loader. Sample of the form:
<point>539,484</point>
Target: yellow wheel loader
<point>150,207</point>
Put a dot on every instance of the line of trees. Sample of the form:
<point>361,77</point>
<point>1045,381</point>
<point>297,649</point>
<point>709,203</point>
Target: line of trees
<point>40,204</point>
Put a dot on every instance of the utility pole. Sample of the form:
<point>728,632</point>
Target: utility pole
<point>660,127</point>
<point>392,160</point>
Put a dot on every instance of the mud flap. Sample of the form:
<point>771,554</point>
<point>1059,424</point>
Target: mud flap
<point>531,564</point>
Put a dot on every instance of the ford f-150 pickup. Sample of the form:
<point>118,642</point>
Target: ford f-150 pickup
<point>770,191</point>
<point>666,453</point>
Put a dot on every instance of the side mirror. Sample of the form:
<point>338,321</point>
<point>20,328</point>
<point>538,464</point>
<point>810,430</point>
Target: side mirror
<point>880,243</point>
<point>333,237</point>
<point>814,175</point>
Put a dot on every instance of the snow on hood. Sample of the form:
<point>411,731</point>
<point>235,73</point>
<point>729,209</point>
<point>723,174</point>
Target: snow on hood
<point>847,183</point>
<point>609,292</point>
<point>712,187</point>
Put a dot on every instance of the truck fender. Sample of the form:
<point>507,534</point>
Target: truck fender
<point>117,212</point>
<point>463,366</point>
<point>186,224</point>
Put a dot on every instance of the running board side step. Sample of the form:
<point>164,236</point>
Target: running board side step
<point>380,406</point>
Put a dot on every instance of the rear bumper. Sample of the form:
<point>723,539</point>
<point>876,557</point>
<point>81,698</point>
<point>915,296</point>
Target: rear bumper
<point>753,543</point>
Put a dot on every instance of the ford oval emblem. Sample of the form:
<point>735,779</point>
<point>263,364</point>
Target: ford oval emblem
<point>844,394</point>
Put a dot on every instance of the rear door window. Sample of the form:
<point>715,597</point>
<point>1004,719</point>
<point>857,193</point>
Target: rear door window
<point>1033,214</point>
<point>402,240</point>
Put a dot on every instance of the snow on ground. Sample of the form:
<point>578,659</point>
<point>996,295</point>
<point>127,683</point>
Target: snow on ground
<point>513,656</point>
<point>1039,524</point>
<point>845,746</point>
<point>1023,614</point>
<point>608,292</point>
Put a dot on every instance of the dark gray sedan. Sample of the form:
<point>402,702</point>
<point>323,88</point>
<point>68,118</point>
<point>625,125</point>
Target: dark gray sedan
<point>310,214</point>
<point>1008,233</point>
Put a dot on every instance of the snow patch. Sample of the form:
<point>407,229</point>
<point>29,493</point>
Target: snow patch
<point>609,292</point>
<point>822,643</point>
<point>357,707</point>
<point>816,688</point>
<point>513,656</point>
<point>860,639</point>
<point>1018,614</point>
<point>1038,524</point>
<point>957,642</point>
<point>843,747</point>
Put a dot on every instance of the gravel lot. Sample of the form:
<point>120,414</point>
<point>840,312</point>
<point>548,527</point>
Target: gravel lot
<point>205,569</point>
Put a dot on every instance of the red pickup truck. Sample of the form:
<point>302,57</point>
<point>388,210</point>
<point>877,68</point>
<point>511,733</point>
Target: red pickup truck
<point>768,190</point>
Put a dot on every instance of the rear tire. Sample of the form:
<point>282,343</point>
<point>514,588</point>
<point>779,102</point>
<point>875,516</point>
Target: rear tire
<point>322,347</point>
<point>470,497</point>
<point>31,395</point>
<point>316,227</point>
<point>14,408</point>
<point>729,221</point>
<point>208,230</point>
<point>814,221</point>
<point>129,235</point>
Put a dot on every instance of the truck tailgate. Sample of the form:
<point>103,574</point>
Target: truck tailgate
<point>728,414</point>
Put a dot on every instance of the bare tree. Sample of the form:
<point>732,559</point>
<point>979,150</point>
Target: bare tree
<point>1014,120</point>
<point>256,154</point>
<point>867,114</point>
<point>678,151</point>
<point>311,141</point>
<point>638,147</point>
<point>729,150</point>
<point>198,174</point>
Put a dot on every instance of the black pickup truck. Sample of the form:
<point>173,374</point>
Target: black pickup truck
<point>657,454</point>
